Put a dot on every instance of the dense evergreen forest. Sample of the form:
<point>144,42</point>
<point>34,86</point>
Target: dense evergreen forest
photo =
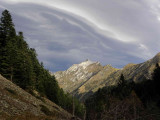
<point>127,100</point>
<point>19,63</point>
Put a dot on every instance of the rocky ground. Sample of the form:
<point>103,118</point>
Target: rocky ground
<point>17,104</point>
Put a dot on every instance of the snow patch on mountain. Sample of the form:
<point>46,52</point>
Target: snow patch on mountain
<point>82,65</point>
<point>77,72</point>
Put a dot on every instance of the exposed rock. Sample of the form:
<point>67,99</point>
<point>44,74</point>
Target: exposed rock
<point>85,78</point>
<point>77,75</point>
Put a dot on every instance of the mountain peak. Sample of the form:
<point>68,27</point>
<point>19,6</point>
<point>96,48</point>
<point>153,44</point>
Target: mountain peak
<point>85,63</point>
<point>82,65</point>
<point>77,74</point>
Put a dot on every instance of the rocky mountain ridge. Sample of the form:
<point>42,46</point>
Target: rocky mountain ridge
<point>83,81</point>
<point>77,74</point>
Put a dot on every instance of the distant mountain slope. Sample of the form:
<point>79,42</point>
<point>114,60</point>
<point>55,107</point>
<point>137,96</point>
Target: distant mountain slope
<point>17,104</point>
<point>84,81</point>
<point>77,75</point>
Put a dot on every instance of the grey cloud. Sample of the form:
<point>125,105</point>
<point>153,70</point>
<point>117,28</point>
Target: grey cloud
<point>62,39</point>
<point>133,19</point>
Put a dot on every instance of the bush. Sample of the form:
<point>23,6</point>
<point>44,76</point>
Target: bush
<point>45,110</point>
<point>11,91</point>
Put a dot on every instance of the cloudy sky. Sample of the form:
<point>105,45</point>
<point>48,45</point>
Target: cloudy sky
<point>66,32</point>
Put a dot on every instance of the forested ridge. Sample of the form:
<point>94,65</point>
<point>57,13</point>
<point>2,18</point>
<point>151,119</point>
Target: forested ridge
<point>127,100</point>
<point>19,63</point>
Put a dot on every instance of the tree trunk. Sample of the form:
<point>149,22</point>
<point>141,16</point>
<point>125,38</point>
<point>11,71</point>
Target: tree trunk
<point>11,75</point>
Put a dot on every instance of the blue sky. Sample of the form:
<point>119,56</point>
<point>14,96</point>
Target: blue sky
<point>66,32</point>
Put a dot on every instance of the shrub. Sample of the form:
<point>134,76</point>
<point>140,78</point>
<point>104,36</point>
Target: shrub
<point>45,110</point>
<point>11,91</point>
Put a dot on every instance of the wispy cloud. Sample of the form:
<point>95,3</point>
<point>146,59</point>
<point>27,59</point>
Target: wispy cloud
<point>67,32</point>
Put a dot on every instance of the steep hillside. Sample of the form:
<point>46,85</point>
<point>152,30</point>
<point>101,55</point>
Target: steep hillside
<point>17,104</point>
<point>84,81</point>
<point>25,70</point>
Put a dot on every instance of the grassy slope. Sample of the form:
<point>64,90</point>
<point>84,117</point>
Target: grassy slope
<point>17,104</point>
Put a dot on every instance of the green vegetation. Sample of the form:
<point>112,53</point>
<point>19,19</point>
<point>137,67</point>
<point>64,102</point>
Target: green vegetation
<point>111,102</point>
<point>19,63</point>
<point>46,111</point>
<point>11,91</point>
<point>127,100</point>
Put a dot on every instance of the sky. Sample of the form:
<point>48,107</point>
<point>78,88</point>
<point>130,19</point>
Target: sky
<point>66,32</point>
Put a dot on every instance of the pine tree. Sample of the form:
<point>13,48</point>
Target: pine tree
<point>121,81</point>
<point>7,41</point>
<point>156,78</point>
<point>122,88</point>
<point>7,29</point>
<point>20,64</point>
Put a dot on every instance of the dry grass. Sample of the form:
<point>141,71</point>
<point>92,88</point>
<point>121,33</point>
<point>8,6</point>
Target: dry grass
<point>17,104</point>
